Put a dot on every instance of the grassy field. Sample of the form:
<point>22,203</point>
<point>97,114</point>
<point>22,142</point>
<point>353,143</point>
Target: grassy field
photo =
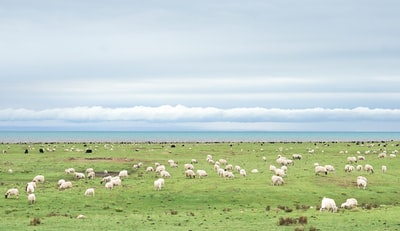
<point>211,203</point>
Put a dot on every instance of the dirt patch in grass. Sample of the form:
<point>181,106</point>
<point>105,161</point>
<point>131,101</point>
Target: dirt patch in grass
<point>101,159</point>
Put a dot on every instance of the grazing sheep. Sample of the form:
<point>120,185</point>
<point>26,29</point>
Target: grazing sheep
<point>228,174</point>
<point>89,192</point>
<point>272,168</point>
<point>328,204</point>
<point>361,182</point>
<point>79,175</point>
<point>30,188</point>
<point>351,159</point>
<point>80,216</point>
<point>359,167</point>
<point>242,172</point>
<point>88,170</point>
<point>165,174</point>
<point>349,168</point>
<point>384,168</point>
<point>280,172</point>
<point>123,173</point>
<point>60,182</point>
<point>31,198</point>
<point>38,178</point>
<point>149,169</point>
<point>12,192</point>
<point>158,184</point>
<point>106,179</point>
<point>109,185</point>
<point>91,175</point>
<point>201,173</point>
<point>329,168</point>
<point>350,203</point>
<point>193,161</point>
<point>264,159</point>
<point>189,166</point>
<point>221,172</point>
<point>69,171</point>
<point>160,168</point>
<point>228,167</point>
<point>116,181</point>
<point>190,173</point>
<point>361,157</point>
<point>65,185</point>
<point>296,156</point>
<point>254,170</point>
<point>277,180</point>
<point>368,168</point>
<point>382,155</point>
<point>223,161</point>
<point>320,169</point>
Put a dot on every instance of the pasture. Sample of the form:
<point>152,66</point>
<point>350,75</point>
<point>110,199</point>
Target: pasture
<point>209,203</point>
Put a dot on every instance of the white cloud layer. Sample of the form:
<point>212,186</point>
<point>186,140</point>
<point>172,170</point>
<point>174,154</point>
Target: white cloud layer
<point>198,118</point>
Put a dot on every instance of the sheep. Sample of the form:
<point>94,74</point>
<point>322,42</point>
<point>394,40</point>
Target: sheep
<point>79,175</point>
<point>328,204</point>
<point>348,168</point>
<point>329,168</point>
<point>368,168</point>
<point>69,171</point>
<point>31,198</point>
<point>277,180</point>
<point>91,175</point>
<point>158,184</point>
<point>296,156</point>
<point>116,181</point>
<point>350,203</point>
<point>165,174</point>
<point>392,155</point>
<point>149,169</point>
<point>38,178</point>
<point>109,185</point>
<point>320,169</point>
<point>89,192</point>
<point>12,192</point>
<point>254,170</point>
<point>106,179</point>
<point>351,159</point>
<point>80,216</point>
<point>242,172</point>
<point>361,157</point>
<point>237,168</point>
<point>190,173</point>
<point>264,159</point>
<point>88,170</point>
<point>228,167</point>
<point>10,171</point>
<point>280,172</point>
<point>361,182</point>
<point>189,166</point>
<point>382,155</point>
<point>223,161</point>
<point>359,167</point>
<point>272,168</point>
<point>160,168</point>
<point>30,188</point>
<point>228,174</point>
<point>193,161</point>
<point>65,185</point>
<point>384,168</point>
<point>221,172</point>
<point>123,173</point>
<point>60,182</point>
<point>201,173</point>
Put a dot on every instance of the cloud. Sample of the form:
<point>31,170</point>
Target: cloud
<point>181,113</point>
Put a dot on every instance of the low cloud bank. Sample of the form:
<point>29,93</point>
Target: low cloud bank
<point>180,113</point>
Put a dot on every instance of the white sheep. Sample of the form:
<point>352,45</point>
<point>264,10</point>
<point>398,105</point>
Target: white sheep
<point>89,192</point>
<point>79,175</point>
<point>38,178</point>
<point>297,156</point>
<point>116,181</point>
<point>254,170</point>
<point>190,173</point>
<point>65,185</point>
<point>88,170</point>
<point>106,179</point>
<point>30,188</point>
<point>12,192</point>
<point>384,168</point>
<point>348,168</point>
<point>320,169</point>
<point>361,157</point>
<point>149,169</point>
<point>201,173</point>
<point>328,204</point>
<point>243,172</point>
<point>361,183</point>
<point>165,174</point>
<point>369,168</point>
<point>329,168</point>
<point>229,175</point>
<point>123,173</point>
<point>272,168</point>
<point>109,185</point>
<point>69,171</point>
<point>280,172</point>
<point>351,159</point>
<point>91,175</point>
<point>350,203</point>
<point>359,167</point>
<point>31,198</point>
<point>158,184</point>
<point>60,182</point>
<point>277,180</point>
<point>160,168</point>
<point>189,166</point>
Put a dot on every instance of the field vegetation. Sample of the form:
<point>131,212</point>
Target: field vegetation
<point>210,203</point>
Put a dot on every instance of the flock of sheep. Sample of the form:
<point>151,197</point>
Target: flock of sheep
<point>221,167</point>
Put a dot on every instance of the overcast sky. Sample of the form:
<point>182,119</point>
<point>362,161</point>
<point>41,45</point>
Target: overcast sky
<point>200,65</point>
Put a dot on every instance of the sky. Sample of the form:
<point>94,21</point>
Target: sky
<point>227,65</point>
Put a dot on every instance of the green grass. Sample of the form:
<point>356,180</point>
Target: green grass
<point>212,203</point>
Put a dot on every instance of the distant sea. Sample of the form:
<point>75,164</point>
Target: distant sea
<point>163,136</point>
